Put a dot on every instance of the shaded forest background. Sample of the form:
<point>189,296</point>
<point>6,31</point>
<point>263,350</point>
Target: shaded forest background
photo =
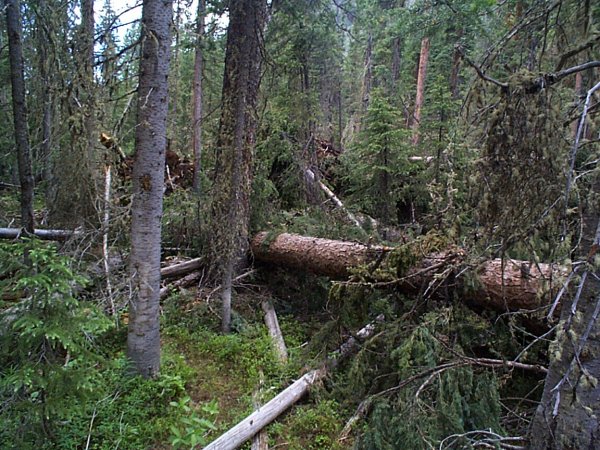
<point>426,126</point>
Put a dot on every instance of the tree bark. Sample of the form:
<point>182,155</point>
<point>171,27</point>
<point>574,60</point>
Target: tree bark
<point>503,285</point>
<point>367,81</point>
<point>143,338</point>
<point>17,78</point>
<point>320,256</point>
<point>423,59</point>
<point>568,416</point>
<point>181,268</point>
<point>236,138</point>
<point>197,100</point>
<point>87,45</point>
<point>186,281</point>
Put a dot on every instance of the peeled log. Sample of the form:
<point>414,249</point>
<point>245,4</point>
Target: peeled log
<point>511,285</point>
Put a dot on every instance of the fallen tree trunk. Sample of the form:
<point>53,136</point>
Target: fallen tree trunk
<point>181,268</point>
<point>260,418</point>
<point>49,235</point>
<point>317,255</point>
<point>502,284</point>
<point>186,281</point>
<point>275,332</point>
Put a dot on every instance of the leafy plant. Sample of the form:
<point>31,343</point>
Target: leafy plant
<point>191,428</point>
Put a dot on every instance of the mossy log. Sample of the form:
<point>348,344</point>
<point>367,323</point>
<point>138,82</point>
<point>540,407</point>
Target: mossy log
<point>501,284</point>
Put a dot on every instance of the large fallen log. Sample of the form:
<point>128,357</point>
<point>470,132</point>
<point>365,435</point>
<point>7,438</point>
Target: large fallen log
<point>502,284</point>
<point>317,255</point>
<point>260,418</point>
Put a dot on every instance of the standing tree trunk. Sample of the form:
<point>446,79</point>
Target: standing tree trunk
<point>456,60</point>
<point>197,109</point>
<point>235,143</point>
<point>46,96</point>
<point>424,57</point>
<point>568,416</point>
<point>15,48</point>
<point>73,201</point>
<point>143,338</point>
<point>87,43</point>
<point>367,81</point>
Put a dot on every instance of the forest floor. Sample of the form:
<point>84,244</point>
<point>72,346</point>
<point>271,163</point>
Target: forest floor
<point>209,381</point>
<point>240,369</point>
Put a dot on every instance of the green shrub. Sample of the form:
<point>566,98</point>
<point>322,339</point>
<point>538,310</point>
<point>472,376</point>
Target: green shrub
<point>47,354</point>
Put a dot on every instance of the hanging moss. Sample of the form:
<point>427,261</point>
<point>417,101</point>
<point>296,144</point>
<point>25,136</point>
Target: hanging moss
<point>521,172</point>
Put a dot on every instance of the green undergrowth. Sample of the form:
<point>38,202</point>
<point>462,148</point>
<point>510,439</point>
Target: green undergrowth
<point>408,376</point>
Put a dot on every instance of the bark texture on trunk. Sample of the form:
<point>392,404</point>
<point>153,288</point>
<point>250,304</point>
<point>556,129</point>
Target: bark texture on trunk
<point>274,331</point>
<point>197,95</point>
<point>503,285</point>
<point>17,79</point>
<point>317,255</point>
<point>422,72</point>
<point>48,235</point>
<point>143,338</point>
<point>235,142</point>
<point>568,416</point>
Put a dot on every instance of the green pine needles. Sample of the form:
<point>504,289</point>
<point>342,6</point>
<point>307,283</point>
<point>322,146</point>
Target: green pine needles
<point>47,353</point>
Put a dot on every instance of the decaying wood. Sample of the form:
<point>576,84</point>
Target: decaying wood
<point>49,235</point>
<point>275,332</point>
<point>259,419</point>
<point>181,268</point>
<point>186,281</point>
<point>501,284</point>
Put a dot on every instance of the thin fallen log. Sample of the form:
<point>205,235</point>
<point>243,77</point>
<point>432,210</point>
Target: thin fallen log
<point>186,281</point>
<point>275,332</point>
<point>502,284</point>
<point>259,419</point>
<point>48,235</point>
<point>181,268</point>
<point>331,196</point>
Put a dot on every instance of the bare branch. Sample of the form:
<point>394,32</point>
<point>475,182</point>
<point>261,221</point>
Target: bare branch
<point>482,75</point>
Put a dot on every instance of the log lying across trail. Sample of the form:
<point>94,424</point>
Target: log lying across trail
<point>502,284</point>
<point>267,413</point>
